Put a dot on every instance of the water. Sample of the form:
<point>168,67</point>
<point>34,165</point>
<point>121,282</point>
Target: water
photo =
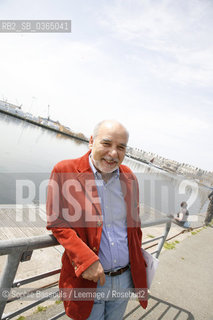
<point>29,152</point>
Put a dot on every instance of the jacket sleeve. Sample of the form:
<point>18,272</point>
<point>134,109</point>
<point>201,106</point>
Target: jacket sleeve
<point>79,254</point>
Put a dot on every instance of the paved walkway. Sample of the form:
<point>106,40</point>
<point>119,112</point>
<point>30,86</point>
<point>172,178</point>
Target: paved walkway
<point>183,284</point>
<point>182,288</point>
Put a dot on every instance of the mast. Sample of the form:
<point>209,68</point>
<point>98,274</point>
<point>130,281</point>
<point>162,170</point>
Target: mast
<point>48,114</point>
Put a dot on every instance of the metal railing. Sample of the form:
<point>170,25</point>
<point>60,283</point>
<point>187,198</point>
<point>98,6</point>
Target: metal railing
<point>20,250</point>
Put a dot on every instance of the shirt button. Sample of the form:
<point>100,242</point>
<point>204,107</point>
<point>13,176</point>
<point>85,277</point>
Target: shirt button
<point>99,223</point>
<point>115,261</point>
<point>94,249</point>
<point>75,267</point>
<point>112,243</point>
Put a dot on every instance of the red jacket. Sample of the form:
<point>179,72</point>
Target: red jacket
<point>76,221</point>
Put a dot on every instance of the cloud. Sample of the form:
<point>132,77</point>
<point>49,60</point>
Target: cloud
<point>146,63</point>
<point>178,33</point>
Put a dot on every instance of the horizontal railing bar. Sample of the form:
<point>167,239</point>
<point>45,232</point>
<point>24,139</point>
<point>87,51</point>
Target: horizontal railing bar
<point>151,240</point>
<point>30,306</point>
<point>19,283</point>
<point>27,244</point>
<point>59,315</point>
<point>39,242</point>
<point>154,252</point>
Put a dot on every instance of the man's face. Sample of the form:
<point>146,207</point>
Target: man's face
<point>108,148</point>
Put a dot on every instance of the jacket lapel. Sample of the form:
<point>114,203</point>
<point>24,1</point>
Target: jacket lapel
<point>131,197</point>
<point>87,180</point>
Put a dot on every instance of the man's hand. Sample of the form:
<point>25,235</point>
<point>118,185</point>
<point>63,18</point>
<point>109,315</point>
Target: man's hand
<point>94,273</point>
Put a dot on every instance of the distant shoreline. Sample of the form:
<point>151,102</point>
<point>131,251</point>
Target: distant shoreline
<point>201,177</point>
<point>72,135</point>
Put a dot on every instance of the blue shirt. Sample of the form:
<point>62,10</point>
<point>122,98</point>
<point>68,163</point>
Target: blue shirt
<point>113,251</point>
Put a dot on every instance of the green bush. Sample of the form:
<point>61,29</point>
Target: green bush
<point>40,309</point>
<point>168,245</point>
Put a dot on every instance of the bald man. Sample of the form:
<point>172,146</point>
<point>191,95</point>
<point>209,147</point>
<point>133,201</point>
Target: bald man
<point>93,211</point>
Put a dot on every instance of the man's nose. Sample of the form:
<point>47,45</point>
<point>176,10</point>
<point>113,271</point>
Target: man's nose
<point>113,153</point>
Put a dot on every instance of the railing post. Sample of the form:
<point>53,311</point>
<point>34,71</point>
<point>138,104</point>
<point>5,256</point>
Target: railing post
<point>7,278</point>
<point>161,243</point>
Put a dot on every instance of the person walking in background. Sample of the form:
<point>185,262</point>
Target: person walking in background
<point>209,214</point>
<point>182,216</point>
<point>93,211</point>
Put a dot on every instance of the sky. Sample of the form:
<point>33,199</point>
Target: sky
<point>146,63</point>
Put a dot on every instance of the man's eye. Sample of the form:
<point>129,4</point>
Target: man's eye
<point>121,148</point>
<point>106,143</point>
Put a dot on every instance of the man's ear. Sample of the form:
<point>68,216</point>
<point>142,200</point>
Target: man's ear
<point>91,142</point>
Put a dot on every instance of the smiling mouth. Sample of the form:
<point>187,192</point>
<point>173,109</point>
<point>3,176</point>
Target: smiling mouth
<point>110,162</point>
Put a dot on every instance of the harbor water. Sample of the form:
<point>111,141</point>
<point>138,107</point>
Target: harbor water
<point>29,152</point>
